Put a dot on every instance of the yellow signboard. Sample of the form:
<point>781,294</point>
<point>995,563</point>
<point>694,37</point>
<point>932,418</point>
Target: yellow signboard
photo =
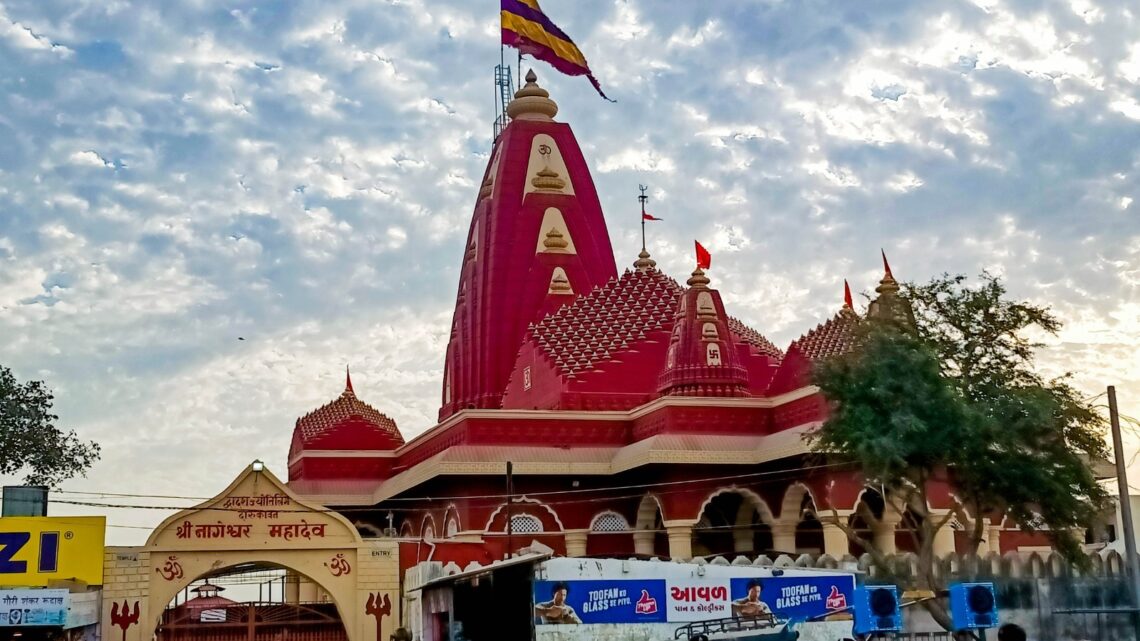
<point>35,550</point>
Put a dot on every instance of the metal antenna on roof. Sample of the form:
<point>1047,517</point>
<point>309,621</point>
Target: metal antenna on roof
<point>644,199</point>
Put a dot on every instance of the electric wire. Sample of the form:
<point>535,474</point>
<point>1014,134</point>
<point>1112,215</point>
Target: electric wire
<point>484,501</point>
<point>475,497</point>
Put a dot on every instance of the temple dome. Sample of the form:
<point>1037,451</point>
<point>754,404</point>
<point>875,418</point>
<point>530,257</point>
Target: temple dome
<point>370,428</point>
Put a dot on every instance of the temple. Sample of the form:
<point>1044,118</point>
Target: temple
<point>638,416</point>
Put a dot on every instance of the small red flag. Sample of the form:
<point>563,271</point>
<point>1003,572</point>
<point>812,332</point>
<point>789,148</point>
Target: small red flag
<point>645,216</point>
<point>704,258</point>
<point>847,300</point>
<point>886,266</point>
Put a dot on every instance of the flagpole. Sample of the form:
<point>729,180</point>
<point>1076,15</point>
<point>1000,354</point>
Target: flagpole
<point>642,198</point>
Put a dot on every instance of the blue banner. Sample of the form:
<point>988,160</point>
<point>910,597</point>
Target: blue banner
<point>627,601</point>
<point>792,597</point>
<point>33,607</point>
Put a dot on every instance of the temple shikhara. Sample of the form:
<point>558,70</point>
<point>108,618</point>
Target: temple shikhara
<point>638,415</point>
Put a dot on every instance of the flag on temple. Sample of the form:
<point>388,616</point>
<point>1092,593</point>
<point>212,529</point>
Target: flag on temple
<point>526,28</point>
<point>704,258</point>
<point>645,216</point>
<point>848,301</point>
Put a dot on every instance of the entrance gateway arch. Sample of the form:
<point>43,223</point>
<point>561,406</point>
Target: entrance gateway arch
<point>256,520</point>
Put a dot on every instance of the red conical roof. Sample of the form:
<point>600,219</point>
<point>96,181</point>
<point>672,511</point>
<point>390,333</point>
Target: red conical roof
<point>537,241</point>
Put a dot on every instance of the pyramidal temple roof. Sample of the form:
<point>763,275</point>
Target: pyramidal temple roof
<point>613,318</point>
<point>608,320</point>
<point>342,411</point>
<point>746,334</point>
<point>830,338</point>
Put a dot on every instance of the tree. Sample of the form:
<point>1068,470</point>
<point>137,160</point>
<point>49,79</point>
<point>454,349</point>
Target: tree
<point>29,439</point>
<point>948,392</point>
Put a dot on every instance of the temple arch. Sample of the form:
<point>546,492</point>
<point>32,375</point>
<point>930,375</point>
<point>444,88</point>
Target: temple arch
<point>525,505</point>
<point>427,526</point>
<point>733,521</point>
<point>256,522</point>
<point>609,522</point>
<point>649,537</point>
<point>451,521</point>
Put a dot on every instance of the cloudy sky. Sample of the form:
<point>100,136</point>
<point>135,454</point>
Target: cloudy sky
<point>174,176</point>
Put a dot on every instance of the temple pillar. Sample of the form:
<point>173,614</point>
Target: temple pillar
<point>943,536</point>
<point>308,591</point>
<point>835,542</point>
<point>741,539</point>
<point>292,587</point>
<point>993,539</point>
<point>680,539</point>
<point>784,537</point>
<point>643,542</point>
<point>576,542</point>
<point>883,532</point>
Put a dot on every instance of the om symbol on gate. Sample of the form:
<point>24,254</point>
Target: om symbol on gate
<point>339,566</point>
<point>170,570</point>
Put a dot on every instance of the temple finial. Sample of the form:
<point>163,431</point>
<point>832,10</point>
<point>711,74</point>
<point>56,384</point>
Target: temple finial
<point>532,102</point>
<point>698,279</point>
<point>348,382</point>
<point>644,263</point>
<point>888,285</point>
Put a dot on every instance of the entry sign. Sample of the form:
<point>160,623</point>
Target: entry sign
<point>39,549</point>
<point>33,607</point>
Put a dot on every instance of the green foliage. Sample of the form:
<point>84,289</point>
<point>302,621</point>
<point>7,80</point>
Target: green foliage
<point>29,439</point>
<point>956,397</point>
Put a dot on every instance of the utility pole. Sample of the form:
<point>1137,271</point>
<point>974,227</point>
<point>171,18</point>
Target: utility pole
<point>510,499</point>
<point>1125,501</point>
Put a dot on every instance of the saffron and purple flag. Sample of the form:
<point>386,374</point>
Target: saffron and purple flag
<point>526,28</point>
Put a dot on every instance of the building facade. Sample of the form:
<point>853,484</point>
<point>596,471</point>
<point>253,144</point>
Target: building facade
<point>637,414</point>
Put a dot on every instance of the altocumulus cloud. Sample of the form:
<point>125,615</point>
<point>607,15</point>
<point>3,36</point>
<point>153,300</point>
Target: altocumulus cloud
<point>174,176</point>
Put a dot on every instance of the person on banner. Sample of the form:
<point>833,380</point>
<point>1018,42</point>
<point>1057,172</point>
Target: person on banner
<point>750,604</point>
<point>556,610</point>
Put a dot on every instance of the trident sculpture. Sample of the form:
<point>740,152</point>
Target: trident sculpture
<point>379,608</point>
<point>126,618</point>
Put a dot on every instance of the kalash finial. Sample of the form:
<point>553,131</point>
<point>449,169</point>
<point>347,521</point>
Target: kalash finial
<point>644,263</point>
<point>888,285</point>
<point>698,280</point>
<point>532,102</point>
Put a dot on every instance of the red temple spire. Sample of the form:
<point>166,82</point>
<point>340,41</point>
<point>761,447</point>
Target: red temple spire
<point>348,381</point>
<point>537,241</point>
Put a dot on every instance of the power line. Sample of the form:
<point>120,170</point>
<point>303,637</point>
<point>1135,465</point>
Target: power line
<point>496,497</point>
<point>134,496</point>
